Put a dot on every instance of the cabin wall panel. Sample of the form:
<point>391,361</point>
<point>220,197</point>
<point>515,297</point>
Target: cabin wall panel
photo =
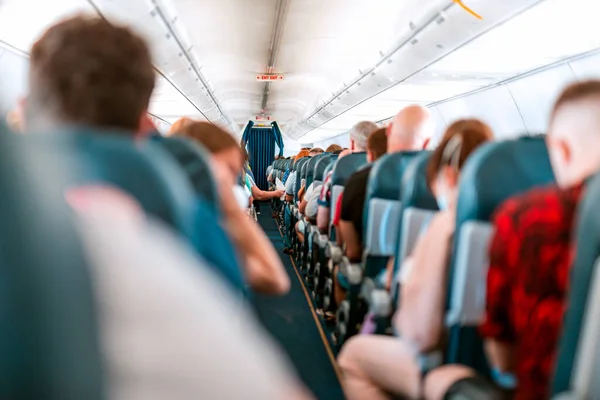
<point>536,94</point>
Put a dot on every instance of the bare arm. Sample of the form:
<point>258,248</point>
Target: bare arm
<point>263,268</point>
<point>323,219</point>
<point>390,273</point>
<point>302,206</point>
<point>259,194</point>
<point>501,355</point>
<point>353,245</point>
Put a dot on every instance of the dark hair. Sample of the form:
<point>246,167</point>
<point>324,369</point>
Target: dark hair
<point>465,135</point>
<point>87,71</point>
<point>213,138</point>
<point>316,150</point>
<point>337,151</point>
<point>377,143</point>
<point>333,148</point>
<point>576,92</point>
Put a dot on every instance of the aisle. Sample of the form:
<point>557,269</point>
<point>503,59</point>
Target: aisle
<point>291,321</point>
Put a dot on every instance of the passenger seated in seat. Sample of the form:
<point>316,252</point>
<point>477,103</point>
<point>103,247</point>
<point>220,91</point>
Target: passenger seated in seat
<point>263,268</point>
<point>313,152</point>
<point>376,148</point>
<point>256,192</point>
<point>531,251</point>
<point>411,126</point>
<point>312,193</point>
<point>358,143</point>
<point>76,78</point>
<point>372,364</point>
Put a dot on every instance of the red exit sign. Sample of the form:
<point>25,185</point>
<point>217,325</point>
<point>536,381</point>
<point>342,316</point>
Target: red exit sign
<point>263,118</point>
<point>269,77</point>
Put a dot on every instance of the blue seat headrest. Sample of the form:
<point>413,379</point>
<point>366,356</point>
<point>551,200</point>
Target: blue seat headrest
<point>498,171</point>
<point>301,172</point>
<point>385,178</point>
<point>586,254</point>
<point>144,171</point>
<point>194,160</point>
<point>415,190</point>
<point>310,167</point>
<point>323,165</point>
<point>346,166</point>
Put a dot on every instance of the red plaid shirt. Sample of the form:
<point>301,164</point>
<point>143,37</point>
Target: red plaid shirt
<point>530,258</point>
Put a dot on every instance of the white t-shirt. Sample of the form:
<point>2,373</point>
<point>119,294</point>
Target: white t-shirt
<point>242,195</point>
<point>290,184</point>
<point>312,202</point>
<point>169,328</point>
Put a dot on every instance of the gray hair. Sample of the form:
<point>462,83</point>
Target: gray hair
<point>361,131</point>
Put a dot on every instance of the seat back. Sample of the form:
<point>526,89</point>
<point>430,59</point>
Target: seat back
<point>155,180</point>
<point>343,168</point>
<point>584,383</point>
<point>494,173</point>
<point>300,173</point>
<point>324,165</point>
<point>381,214</point>
<point>50,345</point>
<point>310,167</point>
<point>194,160</point>
<point>144,171</point>
<point>581,278</point>
<point>417,206</point>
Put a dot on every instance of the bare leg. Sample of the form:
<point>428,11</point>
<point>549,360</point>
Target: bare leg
<point>375,365</point>
<point>338,292</point>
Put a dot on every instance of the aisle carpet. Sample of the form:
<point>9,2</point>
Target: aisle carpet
<point>290,321</point>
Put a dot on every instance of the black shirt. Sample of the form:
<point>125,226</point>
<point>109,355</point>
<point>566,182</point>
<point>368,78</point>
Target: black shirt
<point>353,202</point>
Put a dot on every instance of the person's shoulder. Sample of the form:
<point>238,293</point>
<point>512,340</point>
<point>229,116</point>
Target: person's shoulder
<point>550,201</point>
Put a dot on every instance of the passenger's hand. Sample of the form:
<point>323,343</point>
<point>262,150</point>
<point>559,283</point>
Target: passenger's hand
<point>279,193</point>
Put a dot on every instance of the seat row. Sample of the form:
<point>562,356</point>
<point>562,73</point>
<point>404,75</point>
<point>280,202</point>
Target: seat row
<point>398,202</point>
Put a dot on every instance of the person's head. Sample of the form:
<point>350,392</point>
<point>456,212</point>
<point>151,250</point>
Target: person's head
<point>574,133</point>
<point>87,71</point>
<point>179,125</point>
<point>337,152</point>
<point>344,153</point>
<point>223,147</point>
<point>376,145</point>
<point>314,151</point>
<point>458,143</point>
<point>410,128</point>
<point>359,135</point>
<point>332,148</point>
<point>301,154</point>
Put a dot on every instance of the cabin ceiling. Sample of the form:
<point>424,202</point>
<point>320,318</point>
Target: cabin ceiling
<point>342,60</point>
